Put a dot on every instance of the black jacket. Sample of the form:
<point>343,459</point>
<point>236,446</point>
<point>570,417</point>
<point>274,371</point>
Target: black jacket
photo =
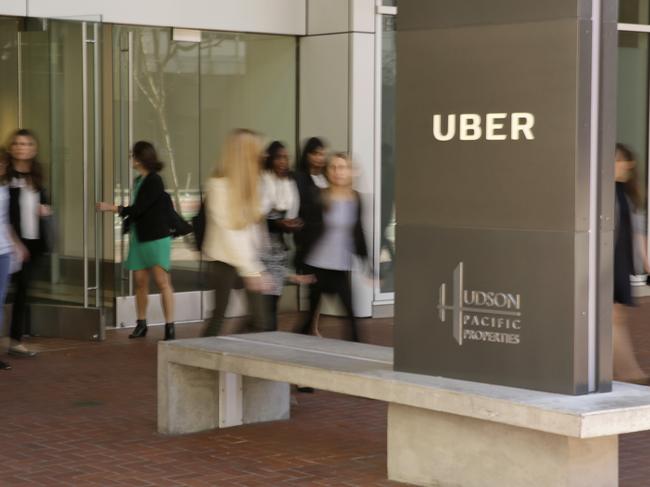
<point>43,243</point>
<point>309,206</point>
<point>307,190</point>
<point>150,210</point>
<point>314,227</point>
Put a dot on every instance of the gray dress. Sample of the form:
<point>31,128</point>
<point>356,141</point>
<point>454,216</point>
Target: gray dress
<point>280,200</point>
<point>275,256</point>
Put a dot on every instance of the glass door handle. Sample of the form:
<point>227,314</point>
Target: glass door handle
<point>85,109</point>
<point>85,42</point>
<point>99,255</point>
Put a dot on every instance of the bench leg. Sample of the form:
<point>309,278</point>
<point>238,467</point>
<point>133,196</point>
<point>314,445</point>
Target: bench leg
<point>247,400</point>
<point>428,448</point>
<point>188,399</point>
<point>192,399</point>
<point>265,400</point>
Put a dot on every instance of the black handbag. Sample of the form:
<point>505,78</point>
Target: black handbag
<point>178,227</point>
<point>198,226</point>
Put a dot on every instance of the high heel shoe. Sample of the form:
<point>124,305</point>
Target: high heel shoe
<point>170,331</point>
<point>140,330</point>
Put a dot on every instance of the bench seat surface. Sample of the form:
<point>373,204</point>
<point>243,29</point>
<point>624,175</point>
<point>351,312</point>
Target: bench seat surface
<point>367,371</point>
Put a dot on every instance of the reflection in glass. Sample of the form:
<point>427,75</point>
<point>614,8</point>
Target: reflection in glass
<point>51,86</point>
<point>632,123</point>
<point>634,11</point>
<point>246,81</point>
<point>387,218</point>
<point>9,78</point>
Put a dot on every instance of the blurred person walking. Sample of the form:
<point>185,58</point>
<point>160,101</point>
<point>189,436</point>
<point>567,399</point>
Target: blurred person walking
<point>28,211</point>
<point>331,236</point>
<point>310,176</point>
<point>12,250</point>
<point>233,232</point>
<point>147,220</point>
<point>310,179</point>
<point>281,203</point>
<point>628,198</point>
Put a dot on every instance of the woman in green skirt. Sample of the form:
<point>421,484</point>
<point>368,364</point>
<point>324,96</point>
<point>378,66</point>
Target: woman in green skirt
<point>147,220</point>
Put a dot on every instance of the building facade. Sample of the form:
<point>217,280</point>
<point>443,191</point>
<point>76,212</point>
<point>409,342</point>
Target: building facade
<point>91,77</point>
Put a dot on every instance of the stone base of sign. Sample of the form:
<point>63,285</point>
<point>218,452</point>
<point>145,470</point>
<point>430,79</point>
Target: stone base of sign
<point>429,448</point>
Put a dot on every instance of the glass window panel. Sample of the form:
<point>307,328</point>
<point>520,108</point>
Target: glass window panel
<point>9,78</point>
<point>387,229</point>
<point>634,11</point>
<point>165,112</point>
<point>632,127</point>
<point>187,97</point>
<point>247,81</point>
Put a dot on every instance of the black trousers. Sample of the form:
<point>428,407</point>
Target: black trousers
<point>330,282</point>
<point>22,280</point>
<point>222,279</point>
<point>272,310</point>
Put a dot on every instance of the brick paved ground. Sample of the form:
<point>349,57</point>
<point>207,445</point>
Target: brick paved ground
<point>84,414</point>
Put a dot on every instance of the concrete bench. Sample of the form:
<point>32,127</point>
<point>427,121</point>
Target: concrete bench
<point>441,432</point>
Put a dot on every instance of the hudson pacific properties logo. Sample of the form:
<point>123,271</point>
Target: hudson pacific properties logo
<point>483,316</point>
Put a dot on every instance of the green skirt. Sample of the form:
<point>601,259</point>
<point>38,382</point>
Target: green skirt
<point>145,255</point>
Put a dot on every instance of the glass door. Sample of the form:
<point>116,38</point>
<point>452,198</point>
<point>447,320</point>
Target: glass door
<point>59,98</point>
<point>184,93</point>
<point>156,86</point>
<point>633,115</point>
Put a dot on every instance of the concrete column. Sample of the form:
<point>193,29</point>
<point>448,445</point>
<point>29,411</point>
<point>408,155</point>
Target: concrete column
<point>337,99</point>
<point>430,448</point>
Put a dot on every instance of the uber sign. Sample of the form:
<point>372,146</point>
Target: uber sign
<point>471,126</point>
<point>504,181</point>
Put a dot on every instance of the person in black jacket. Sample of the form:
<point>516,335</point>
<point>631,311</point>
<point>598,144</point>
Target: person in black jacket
<point>28,208</point>
<point>331,236</point>
<point>148,222</point>
<point>310,178</point>
<point>627,200</point>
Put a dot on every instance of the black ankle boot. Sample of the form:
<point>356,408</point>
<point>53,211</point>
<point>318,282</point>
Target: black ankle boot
<point>170,332</point>
<point>140,330</point>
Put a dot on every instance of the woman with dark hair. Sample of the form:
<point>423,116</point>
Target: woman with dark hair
<point>309,174</point>
<point>310,179</point>
<point>280,204</point>
<point>147,220</point>
<point>628,199</point>
<point>12,250</point>
<point>28,208</point>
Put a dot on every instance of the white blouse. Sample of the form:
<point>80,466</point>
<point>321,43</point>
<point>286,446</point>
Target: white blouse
<point>280,194</point>
<point>30,201</point>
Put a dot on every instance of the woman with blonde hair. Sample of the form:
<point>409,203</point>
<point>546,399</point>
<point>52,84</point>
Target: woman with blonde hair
<point>233,233</point>
<point>332,235</point>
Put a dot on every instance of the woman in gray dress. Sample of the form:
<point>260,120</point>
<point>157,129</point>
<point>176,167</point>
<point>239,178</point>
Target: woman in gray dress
<point>281,203</point>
